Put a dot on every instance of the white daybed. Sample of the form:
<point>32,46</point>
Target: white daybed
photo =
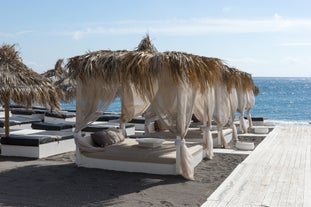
<point>130,157</point>
<point>37,145</point>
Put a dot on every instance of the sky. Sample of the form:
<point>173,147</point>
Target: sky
<point>267,38</point>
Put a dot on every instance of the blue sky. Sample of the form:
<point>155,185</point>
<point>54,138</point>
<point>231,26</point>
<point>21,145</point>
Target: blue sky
<point>264,38</point>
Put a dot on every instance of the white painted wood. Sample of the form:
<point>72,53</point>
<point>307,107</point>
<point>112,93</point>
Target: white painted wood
<point>276,173</point>
<point>132,166</point>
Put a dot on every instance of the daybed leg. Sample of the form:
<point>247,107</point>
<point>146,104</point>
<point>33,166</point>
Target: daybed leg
<point>122,127</point>
<point>242,124</point>
<point>249,118</point>
<point>178,139</point>
<point>207,141</point>
<point>221,139</point>
<point>234,132</point>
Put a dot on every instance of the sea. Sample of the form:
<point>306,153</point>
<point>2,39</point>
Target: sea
<point>282,100</point>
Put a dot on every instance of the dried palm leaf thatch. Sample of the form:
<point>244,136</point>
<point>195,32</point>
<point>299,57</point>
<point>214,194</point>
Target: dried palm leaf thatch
<point>21,84</point>
<point>187,68</point>
<point>143,68</point>
<point>65,86</point>
<point>247,81</point>
<point>57,73</point>
<point>146,45</point>
<point>138,69</point>
<point>232,77</point>
<point>256,90</point>
<point>104,64</point>
<point>214,69</point>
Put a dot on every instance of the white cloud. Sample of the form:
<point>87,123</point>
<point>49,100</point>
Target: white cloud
<point>19,33</point>
<point>295,44</point>
<point>197,26</point>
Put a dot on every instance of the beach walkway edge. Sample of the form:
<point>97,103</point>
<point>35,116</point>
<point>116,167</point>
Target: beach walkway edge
<point>276,173</point>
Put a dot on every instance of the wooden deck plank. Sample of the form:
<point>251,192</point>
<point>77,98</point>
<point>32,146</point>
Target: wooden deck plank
<point>276,173</point>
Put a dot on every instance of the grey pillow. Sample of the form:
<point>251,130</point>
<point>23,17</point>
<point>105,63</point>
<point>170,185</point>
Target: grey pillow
<point>107,137</point>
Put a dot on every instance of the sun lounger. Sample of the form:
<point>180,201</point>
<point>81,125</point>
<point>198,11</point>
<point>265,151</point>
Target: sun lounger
<point>37,145</point>
<point>59,116</point>
<point>52,126</point>
<point>29,113</point>
<point>130,157</point>
<point>140,124</point>
<point>109,117</point>
<point>19,120</point>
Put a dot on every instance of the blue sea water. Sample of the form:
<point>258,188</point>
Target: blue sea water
<point>284,99</point>
<point>281,100</point>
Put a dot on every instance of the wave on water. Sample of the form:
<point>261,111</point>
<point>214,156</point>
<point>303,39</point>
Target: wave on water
<point>288,123</point>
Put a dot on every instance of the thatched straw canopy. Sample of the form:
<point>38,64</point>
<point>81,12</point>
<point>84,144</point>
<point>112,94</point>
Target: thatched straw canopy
<point>142,68</point>
<point>57,73</point>
<point>21,84</point>
<point>60,79</point>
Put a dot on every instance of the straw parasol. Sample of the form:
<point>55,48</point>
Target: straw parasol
<point>65,86</point>
<point>22,85</point>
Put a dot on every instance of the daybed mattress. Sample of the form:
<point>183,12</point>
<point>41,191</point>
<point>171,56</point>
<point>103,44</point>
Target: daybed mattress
<point>128,150</point>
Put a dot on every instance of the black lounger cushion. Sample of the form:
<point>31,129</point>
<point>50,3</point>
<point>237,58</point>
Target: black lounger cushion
<point>51,126</point>
<point>60,115</point>
<point>27,140</point>
<point>108,117</point>
<point>19,120</point>
<point>27,111</point>
<point>138,120</point>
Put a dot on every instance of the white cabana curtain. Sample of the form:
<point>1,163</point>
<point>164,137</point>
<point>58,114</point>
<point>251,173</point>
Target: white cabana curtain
<point>93,98</point>
<point>204,110</point>
<point>132,103</point>
<point>174,108</point>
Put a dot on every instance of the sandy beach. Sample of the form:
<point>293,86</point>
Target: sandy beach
<point>57,181</point>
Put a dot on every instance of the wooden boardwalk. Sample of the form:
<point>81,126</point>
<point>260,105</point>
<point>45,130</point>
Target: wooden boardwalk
<point>276,173</point>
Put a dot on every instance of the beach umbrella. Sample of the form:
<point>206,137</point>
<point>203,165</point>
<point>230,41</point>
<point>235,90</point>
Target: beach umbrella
<point>22,85</point>
<point>65,86</point>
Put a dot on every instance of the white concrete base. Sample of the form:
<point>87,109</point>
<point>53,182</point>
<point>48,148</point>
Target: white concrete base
<point>245,145</point>
<point>58,120</point>
<point>130,166</point>
<point>261,130</point>
<point>41,151</point>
